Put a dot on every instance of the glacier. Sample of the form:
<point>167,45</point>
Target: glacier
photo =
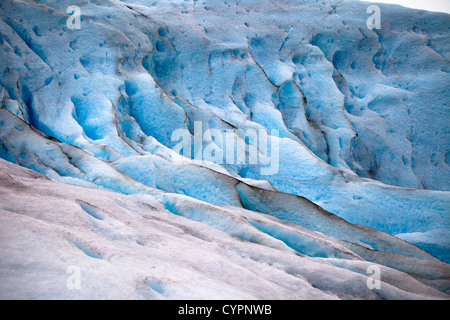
<point>92,176</point>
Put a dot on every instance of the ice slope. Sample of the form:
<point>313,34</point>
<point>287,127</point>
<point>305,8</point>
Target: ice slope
<point>72,165</point>
<point>130,247</point>
<point>361,114</point>
<point>119,86</point>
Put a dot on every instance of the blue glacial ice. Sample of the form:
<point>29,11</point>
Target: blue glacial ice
<point>359,117</point>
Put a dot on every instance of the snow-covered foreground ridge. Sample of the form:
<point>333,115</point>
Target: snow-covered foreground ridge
<point>361,158</point>
<point>131,247</point>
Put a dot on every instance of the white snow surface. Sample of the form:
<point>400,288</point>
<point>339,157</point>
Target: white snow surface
<point>364,155</point>
<point>130,247</point>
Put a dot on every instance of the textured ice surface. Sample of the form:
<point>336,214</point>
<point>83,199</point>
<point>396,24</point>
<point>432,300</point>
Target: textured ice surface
<point>130,247</point>
<point>361,115</point>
